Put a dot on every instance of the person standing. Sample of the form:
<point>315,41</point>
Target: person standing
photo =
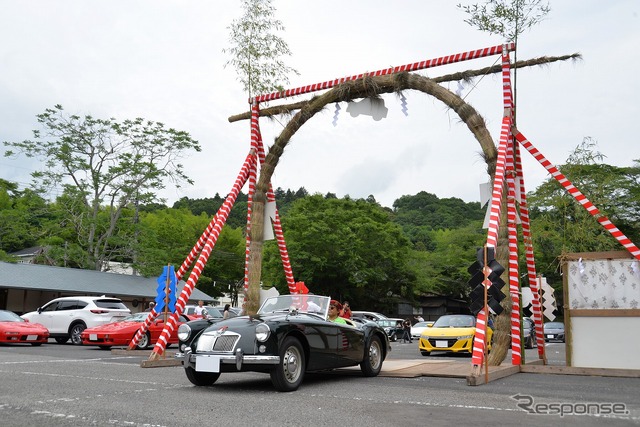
<point>346,311</point>
<point>406,327</point>
<point>225,313</point>
<point>200,310</point>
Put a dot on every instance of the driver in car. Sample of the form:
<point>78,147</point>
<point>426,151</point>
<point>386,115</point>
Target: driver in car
<point>334,311</point>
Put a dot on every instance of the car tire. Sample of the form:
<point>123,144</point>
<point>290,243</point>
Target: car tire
<point>144,342</point>
<point>201,379</point>
<point>393,338</point>
<point>373,358</point>
<point>105,347</point>
<point>61,340</point>
<point>289,373</point>
<point>36,344</point>
<point>425,353</point>
<point>76,331</point>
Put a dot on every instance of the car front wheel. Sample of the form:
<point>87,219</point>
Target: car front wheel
<point>201,378</point>
<point>76,332</point>
<point>144,342</point>
<point>61,340</point>
<point>289,373</point>
<point>425,353</point>
<point>372,363</point>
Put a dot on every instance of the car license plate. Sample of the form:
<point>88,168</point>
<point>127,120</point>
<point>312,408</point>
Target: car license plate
<point>93,337</point>
<point>206,363</point>
<point>442,344</point>
<point>32,337</point>
<point>549,336</point>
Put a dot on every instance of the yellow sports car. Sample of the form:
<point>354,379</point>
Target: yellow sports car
<point>452,332</point>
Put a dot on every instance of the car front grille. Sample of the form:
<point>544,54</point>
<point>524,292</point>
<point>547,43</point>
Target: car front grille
<point>214,341</point>
<point>450,341</point>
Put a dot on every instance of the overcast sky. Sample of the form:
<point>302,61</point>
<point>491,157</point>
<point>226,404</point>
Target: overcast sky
<point>163,61</point>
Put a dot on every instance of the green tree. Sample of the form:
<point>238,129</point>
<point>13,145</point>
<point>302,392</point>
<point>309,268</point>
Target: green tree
<point>167,237</point>
<point>22,214</point>
<point>443,270</point>
<point>507,18</point>
<point>103,162</point>
<point>348,249</point>
<point>423,212</point>
<point>256,51</point>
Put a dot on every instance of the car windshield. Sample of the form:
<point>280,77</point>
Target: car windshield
<point>303,303</point>
<point>420,325</point>
<point>10,316</point>
<point>138,317</point>
<point>554,325</point>
<point>455,321</point>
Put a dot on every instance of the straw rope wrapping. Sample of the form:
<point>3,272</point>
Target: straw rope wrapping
<point>421,65</point>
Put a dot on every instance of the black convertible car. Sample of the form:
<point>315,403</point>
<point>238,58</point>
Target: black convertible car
<point>289,336</point>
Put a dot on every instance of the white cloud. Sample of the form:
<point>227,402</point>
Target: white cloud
<point>162,60</point>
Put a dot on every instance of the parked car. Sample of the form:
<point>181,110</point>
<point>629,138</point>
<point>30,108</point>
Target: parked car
<point>418,328</point>
<point>122,332</point>
<point>67,317</point>
<point>392,328</point>
<point>16,330</point>
<point>288,337</point>
<point>554,331</point>
<point>369,315</point>
<point>529,333</point>
<point>451,332</point>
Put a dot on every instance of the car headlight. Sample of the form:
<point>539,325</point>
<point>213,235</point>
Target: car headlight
<point>262,332</point>
<point>184,332</point>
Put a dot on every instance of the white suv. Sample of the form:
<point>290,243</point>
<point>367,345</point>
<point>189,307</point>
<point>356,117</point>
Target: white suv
<point>67,317</point>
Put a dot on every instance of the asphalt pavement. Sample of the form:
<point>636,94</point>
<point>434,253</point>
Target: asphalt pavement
<point>66,385</point>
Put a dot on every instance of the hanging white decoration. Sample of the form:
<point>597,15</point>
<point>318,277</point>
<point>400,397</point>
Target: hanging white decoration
<point>335,115</point>
<point>403,104</point>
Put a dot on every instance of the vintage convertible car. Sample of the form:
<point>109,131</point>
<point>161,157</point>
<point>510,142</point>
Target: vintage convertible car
<point>288,337</point>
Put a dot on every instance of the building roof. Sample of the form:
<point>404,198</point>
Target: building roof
<point>90,282</point>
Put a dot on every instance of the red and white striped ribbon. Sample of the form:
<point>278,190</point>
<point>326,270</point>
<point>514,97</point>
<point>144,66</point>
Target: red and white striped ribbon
<point>514,277</point>
<point>531,265</point>
<point>494,223</point>
<point>277,227</point>
<point>581,198</point>
<point>253,178</point>
<point>429,63</point>
<point>143,328</point>
<point>221,218</point>
<point>477,357</point>
<point>498,191</point>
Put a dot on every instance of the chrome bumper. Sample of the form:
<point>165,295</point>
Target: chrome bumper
<point>238,358</point>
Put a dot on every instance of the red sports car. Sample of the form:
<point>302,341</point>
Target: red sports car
<point>14,329</point>
<point>121,333</point>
